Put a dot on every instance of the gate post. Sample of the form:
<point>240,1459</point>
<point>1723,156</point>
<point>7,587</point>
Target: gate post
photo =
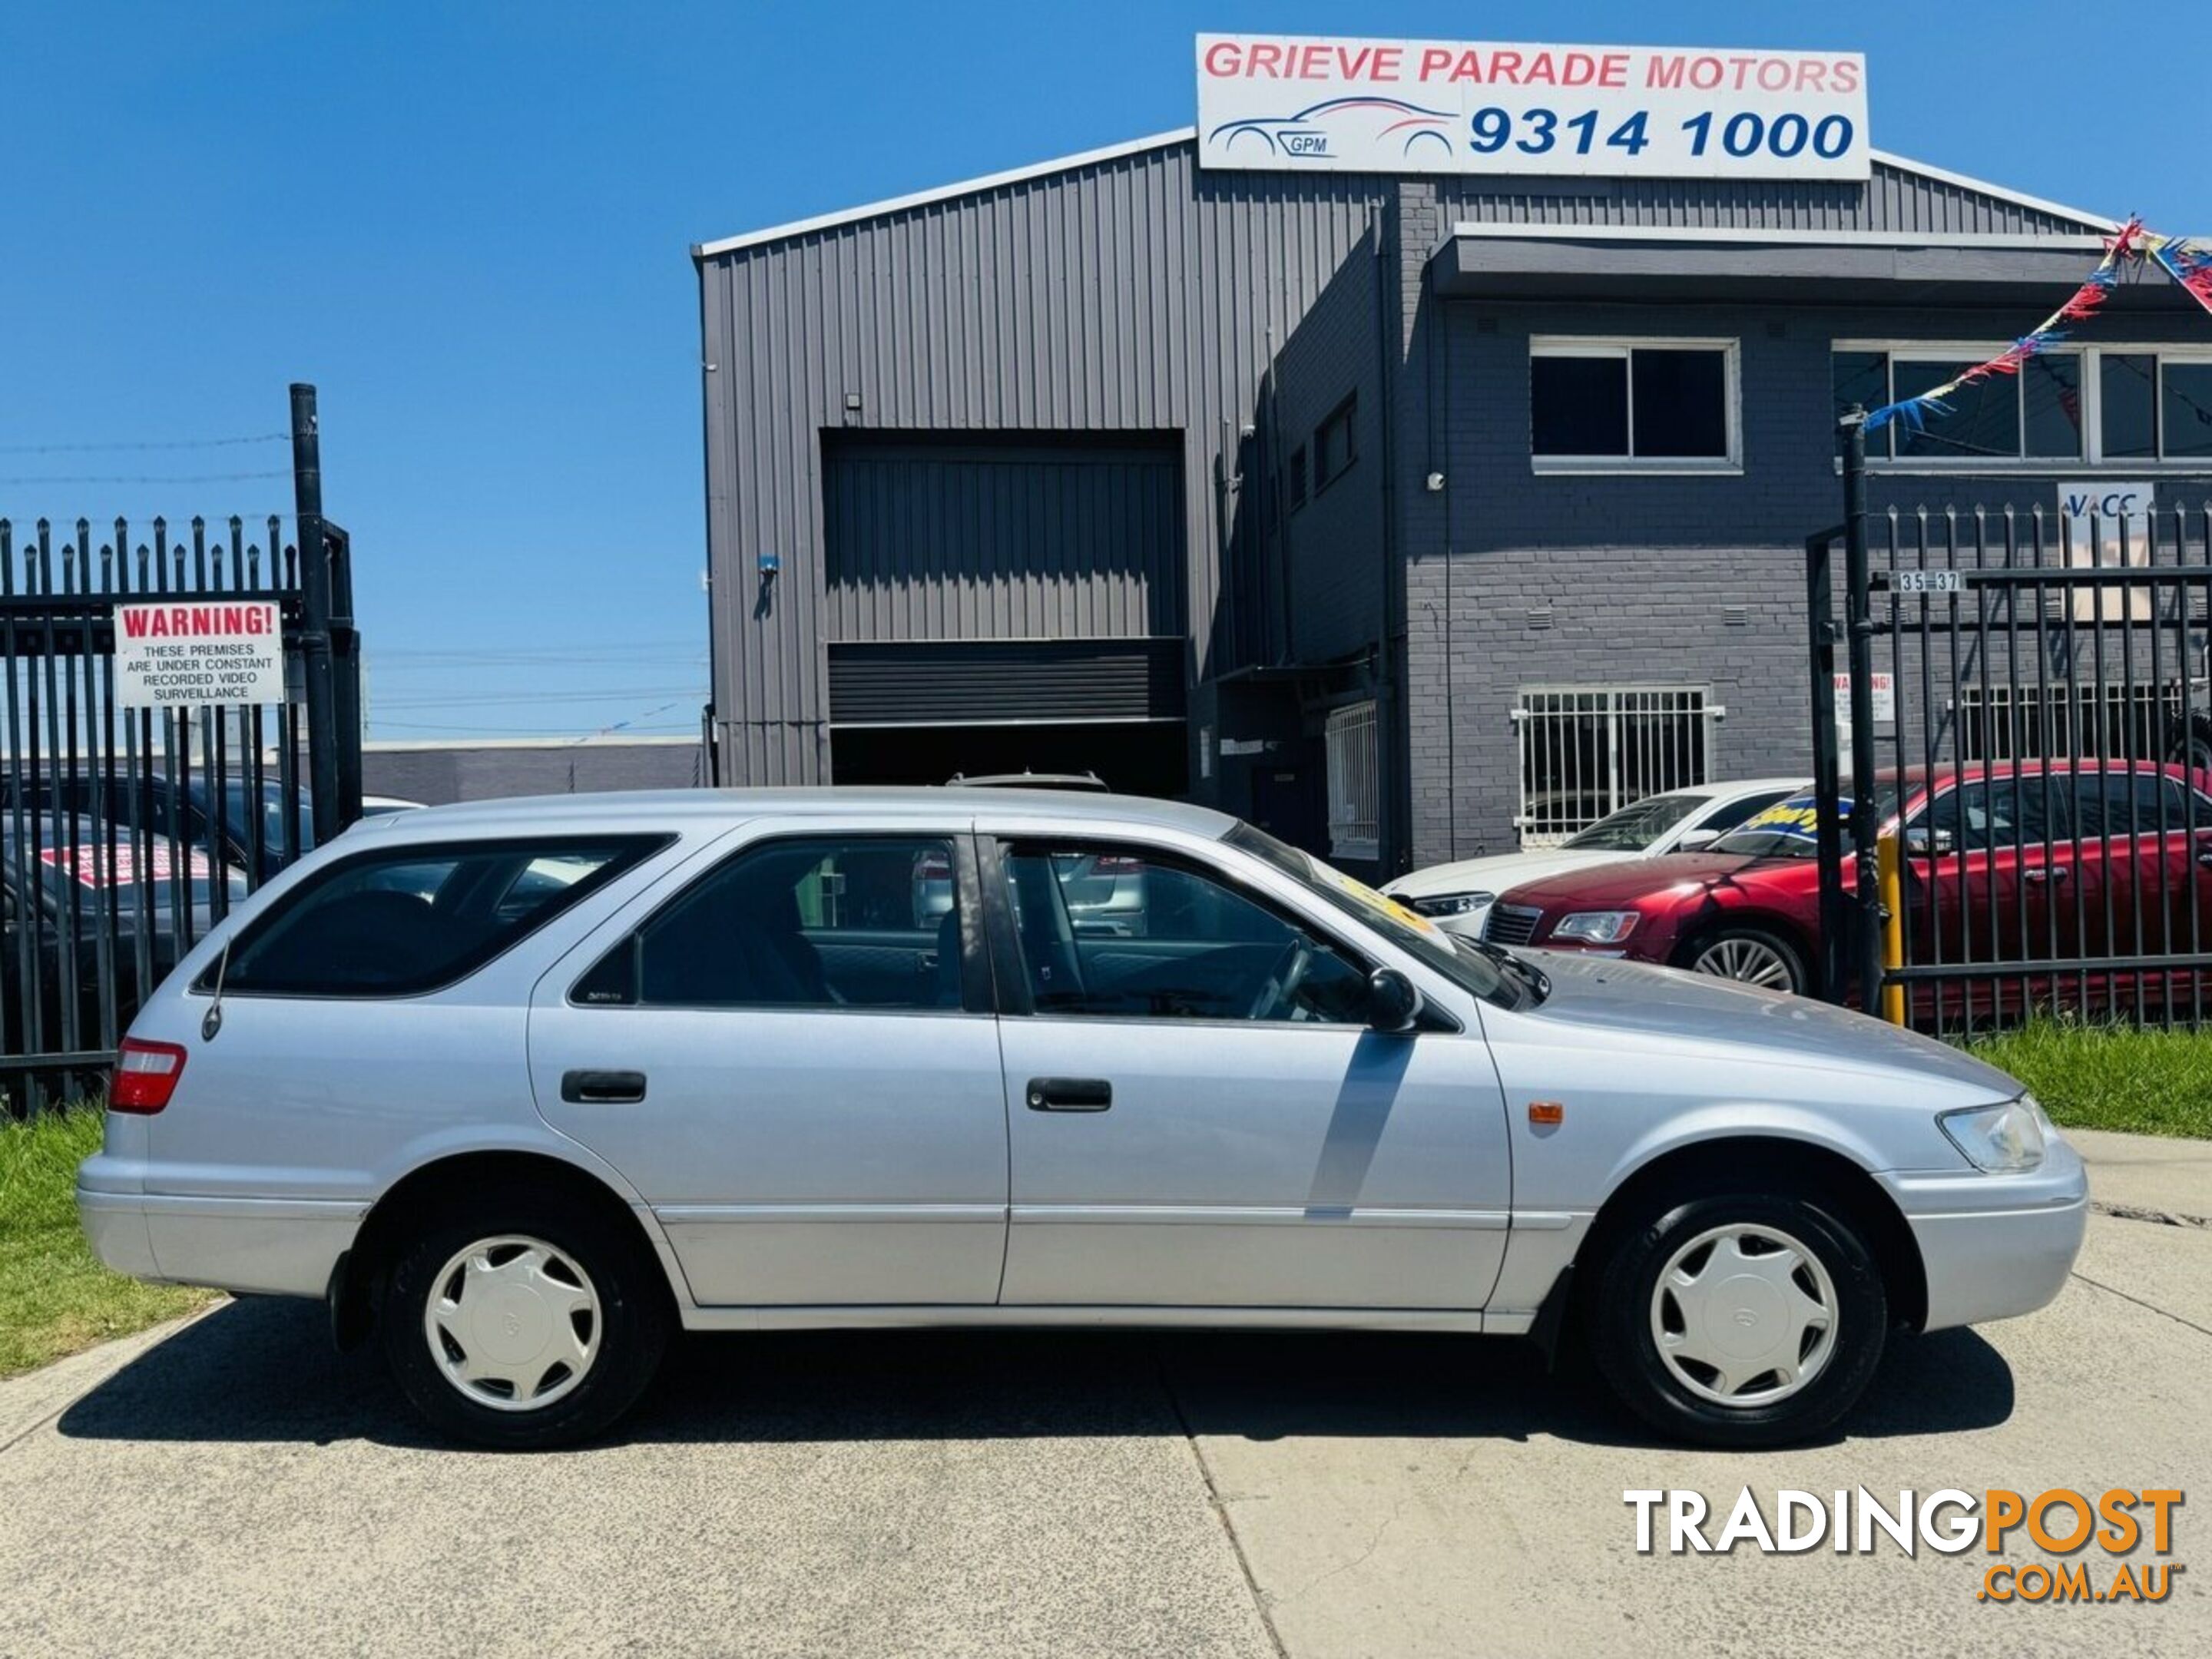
<point>1866,933</point>
<point>1828,792</point>
<point>315,608</point>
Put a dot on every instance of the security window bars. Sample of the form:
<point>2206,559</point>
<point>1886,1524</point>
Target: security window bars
<point>1354,783</point>
<point>2109,720</point>
<point>1622,404</point>
<point>1587,751</point>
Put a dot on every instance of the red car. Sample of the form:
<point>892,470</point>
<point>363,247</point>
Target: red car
<point>2014,862</point>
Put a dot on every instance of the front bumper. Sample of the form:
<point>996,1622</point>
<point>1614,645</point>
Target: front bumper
<point>271,1247</point>
<point>1993,1246</point>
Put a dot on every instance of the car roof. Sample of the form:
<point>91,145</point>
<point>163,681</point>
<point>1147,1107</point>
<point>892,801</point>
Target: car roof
<point>671,807</point>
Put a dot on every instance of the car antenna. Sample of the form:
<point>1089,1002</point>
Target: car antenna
<point>211,1022</point>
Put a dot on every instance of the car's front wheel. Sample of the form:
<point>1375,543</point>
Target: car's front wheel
<point>1751,955</point>
<point>1738,1318</point>
<point>526,1321</point>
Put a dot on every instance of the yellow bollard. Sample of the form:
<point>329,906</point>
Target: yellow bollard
<point>1889,871</point>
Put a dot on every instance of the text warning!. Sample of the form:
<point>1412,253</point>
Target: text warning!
<point>171,654</point>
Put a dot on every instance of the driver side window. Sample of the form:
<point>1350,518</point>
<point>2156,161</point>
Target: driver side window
<point>1109,933</point>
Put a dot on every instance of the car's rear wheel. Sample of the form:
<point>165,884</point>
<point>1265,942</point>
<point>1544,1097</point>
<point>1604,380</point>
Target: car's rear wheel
<point>1738,1318</point>
<point>525,1321</point>
<point>1750,954</point>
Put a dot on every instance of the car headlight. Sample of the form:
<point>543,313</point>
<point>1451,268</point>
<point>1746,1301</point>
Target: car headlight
<point>1598,926</point>
<point>2002,1139</point>
<point>1452,904</point>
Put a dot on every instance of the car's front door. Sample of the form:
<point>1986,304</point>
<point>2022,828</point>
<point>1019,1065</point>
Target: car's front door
<point>1199,1115</point>
<point>795,1061</point>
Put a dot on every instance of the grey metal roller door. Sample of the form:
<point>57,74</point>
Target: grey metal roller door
<point>1005,681</point>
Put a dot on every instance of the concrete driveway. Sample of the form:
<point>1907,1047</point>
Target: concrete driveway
<point>236,1489</point>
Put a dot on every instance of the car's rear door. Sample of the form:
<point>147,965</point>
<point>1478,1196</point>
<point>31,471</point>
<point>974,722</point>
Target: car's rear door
<point>793,1057</point>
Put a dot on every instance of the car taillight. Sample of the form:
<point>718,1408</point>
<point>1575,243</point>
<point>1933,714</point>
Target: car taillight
<point>146,1075</point>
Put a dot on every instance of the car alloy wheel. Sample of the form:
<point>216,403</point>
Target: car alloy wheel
<point>1744,1314</point>
<point>1752,961</point>
<point>513,1322</point>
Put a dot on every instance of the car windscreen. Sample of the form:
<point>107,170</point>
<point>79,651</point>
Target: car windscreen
<point>1634,828</point>
<point>1791,829</point>
<point>1413,933</point>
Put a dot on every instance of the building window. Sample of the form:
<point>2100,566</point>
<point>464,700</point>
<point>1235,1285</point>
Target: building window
<point>1333,450</point>
<point>2034,415</point>
<point>1354,783</point>
<point>1297,478</point>
<point>2110,718</point>
<point>1589,751</point>
<point>1628,405</point>
<point>2124,405</point>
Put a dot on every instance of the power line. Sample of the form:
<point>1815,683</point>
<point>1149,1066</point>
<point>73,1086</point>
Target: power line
<point>142,478</point>
<point>152,443</point>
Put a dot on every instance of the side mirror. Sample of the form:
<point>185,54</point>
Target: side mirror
<point>1394,1003</point>
<point>1696,841</point>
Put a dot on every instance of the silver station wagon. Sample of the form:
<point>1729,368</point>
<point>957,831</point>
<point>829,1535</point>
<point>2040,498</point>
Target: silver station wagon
<point>521,1088</point>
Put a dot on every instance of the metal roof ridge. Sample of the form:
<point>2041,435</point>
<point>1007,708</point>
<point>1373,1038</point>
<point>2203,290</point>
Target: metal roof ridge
<point>943,192</point>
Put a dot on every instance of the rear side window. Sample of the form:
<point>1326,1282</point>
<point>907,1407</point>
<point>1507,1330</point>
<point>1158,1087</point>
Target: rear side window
<point>406,920</point>
<point>868,921</point>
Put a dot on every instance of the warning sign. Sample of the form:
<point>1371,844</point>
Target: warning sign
<point>118,865</point>
<point>213,651</point>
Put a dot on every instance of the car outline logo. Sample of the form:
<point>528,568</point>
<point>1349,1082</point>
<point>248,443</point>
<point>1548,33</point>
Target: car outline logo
<point>1302,135</point>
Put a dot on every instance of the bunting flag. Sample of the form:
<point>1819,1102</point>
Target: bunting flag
<point>2130,241</point>
<point>2189,264</point>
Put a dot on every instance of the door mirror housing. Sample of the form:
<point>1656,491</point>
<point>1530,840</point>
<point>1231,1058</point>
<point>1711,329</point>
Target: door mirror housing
<point>1393,1002</point>
<point>1921,842</point>
<point>1696,841</point>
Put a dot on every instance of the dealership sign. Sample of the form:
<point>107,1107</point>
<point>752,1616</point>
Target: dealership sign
<point>168,656</point>
<point>1299,103</point>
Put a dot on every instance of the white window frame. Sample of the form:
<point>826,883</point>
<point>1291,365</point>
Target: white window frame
<point>2093,457</point>
<point>1622,347</point>
<point>1351,739</point>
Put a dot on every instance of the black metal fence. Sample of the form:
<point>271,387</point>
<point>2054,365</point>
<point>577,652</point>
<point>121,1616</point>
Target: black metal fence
<point>126,832</point>
<point>2027,725</point>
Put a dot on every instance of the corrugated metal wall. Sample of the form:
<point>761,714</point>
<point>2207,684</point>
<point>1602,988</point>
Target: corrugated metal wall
<point>1131,295</point>
<point>1006,540</point>
<point>1894,200</point>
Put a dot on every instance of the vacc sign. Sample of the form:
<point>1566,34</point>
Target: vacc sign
<point>1296,103</point>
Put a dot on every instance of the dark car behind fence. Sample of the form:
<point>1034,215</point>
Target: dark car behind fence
<point>2051,669</point>
<point>126,832</point>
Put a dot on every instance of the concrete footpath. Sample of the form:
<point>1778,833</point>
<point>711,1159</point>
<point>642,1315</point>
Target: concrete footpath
<point>230,1487</point>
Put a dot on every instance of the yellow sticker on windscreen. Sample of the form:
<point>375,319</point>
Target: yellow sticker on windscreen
<point>1383,902</point>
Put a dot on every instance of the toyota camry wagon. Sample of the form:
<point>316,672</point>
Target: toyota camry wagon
<point>520,1089</point>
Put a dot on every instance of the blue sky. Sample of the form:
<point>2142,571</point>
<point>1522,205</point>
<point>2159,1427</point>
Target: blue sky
<point>469,224</point>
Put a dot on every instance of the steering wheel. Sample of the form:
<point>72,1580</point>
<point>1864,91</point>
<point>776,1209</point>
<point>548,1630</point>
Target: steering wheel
<point>1285,975</point>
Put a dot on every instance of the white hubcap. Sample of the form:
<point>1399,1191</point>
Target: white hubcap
<point>512,1324</point>
<point>1744,1315</point>
<point>1745,959</point>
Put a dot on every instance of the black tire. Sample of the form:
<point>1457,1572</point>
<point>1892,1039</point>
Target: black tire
<point>1618,1318</point>
<point>2191,746</point>
<point>632,1315</point>
<point>1792,959</point>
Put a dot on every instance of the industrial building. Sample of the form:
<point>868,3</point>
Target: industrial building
<point>1407,515</point>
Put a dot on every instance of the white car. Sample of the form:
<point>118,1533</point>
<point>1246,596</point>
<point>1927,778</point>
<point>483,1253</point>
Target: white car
<point>1457,896</point>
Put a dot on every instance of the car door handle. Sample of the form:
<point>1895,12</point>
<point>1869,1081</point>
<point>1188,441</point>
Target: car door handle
<point>1069,1094</point>
<point>2047,873</point>
<point>603,1088</point>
